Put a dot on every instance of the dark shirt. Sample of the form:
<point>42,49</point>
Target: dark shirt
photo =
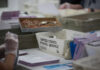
<point>93,4</point>
<point>70,1</point>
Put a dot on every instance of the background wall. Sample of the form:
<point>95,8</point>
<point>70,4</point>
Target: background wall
<point>19,4</point>
<point>36,2</point>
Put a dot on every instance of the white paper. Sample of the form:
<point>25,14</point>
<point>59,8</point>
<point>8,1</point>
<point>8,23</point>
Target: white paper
<point>48,9</point>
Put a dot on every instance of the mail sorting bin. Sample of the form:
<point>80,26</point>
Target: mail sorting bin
<point>28,24</point>
<point>57,43</point>
<point>85,23</point>
<point>93,48</point>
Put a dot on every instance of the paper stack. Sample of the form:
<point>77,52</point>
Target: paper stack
<point>35,58</point>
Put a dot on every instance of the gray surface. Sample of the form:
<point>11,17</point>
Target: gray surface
<point>21,68</point>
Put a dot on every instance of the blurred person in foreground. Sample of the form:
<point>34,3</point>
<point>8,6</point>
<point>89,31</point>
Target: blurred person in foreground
<point>91,5</point>
<point>8,51</point>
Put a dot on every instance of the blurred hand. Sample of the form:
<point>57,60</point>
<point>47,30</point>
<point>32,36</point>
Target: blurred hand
<point>65,6</point>
<point>70,6</point>
<point>11,41</point>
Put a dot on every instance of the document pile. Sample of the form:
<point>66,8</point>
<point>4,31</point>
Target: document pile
<point>86,45</point>
<point>10,19</point>
<point>35,57</point>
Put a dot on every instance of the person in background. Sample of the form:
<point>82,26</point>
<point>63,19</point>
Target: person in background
<point>70,1</point>
<point>10,46</point>
<point>91,5</point>
<point>72,4</point>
